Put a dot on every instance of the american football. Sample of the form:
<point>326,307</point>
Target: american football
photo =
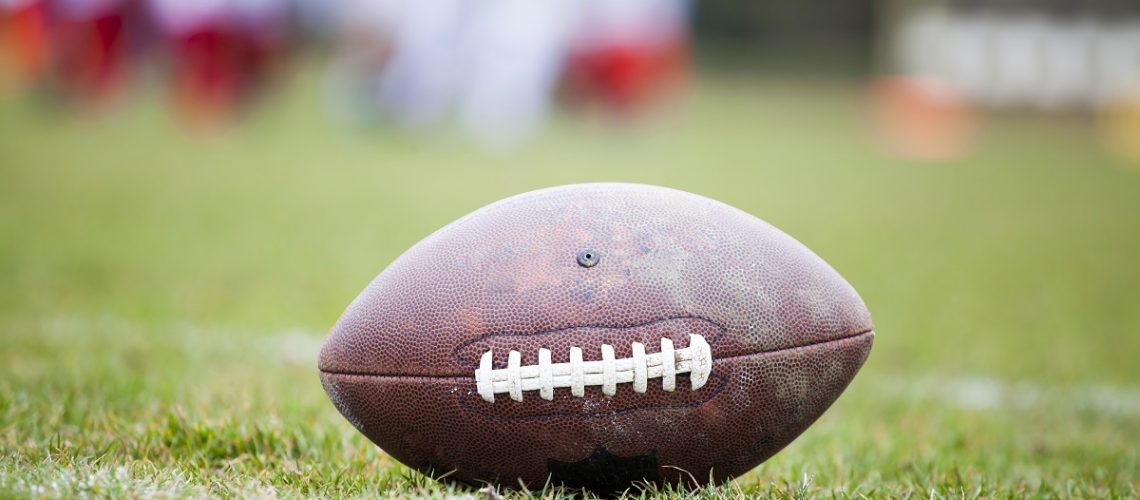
<point>596,336</point>
<point>373,249</point>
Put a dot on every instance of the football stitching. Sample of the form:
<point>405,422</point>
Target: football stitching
<point>696,360</point>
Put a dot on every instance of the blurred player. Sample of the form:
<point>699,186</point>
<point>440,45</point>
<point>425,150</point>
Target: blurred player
<point>89,49</point>
<point>626,54</point>
<point>515,54</point>
<point>365,33</point>
<point>494,66</point>
<point>262,27</point>
<point>222,54</point>
<point>423,74</point>
<point>24,47</point>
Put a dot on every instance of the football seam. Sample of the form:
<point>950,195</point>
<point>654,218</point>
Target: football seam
<point>721,383</point>
<point>468,377</point>
<point>721,330</point>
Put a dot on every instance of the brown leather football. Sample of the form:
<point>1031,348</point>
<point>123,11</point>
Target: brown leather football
<point>596,335</point>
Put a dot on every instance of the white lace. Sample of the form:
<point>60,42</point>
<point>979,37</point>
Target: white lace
<point>696,360</point>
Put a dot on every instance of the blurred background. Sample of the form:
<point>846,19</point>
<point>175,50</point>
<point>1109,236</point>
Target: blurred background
<point>191,193</point>
<point>496,72</point>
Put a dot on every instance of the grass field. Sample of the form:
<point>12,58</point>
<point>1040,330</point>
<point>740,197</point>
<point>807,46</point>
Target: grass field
<point>162,298</point>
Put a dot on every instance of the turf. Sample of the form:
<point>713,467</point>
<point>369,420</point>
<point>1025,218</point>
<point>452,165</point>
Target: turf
<point>163,297</point>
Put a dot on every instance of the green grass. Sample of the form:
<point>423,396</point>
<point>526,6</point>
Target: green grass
<point>162,298</point>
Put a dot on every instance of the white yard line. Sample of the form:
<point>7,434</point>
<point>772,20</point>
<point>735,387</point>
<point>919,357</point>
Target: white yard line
<point>986,394</point>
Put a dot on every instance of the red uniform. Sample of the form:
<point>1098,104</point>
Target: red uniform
<point>221,54</point>
<point>24,39</point>
<point>627,54</point>
<point>88,48</point>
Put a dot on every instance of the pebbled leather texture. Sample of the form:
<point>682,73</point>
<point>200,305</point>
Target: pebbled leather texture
<point>787,335</point>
